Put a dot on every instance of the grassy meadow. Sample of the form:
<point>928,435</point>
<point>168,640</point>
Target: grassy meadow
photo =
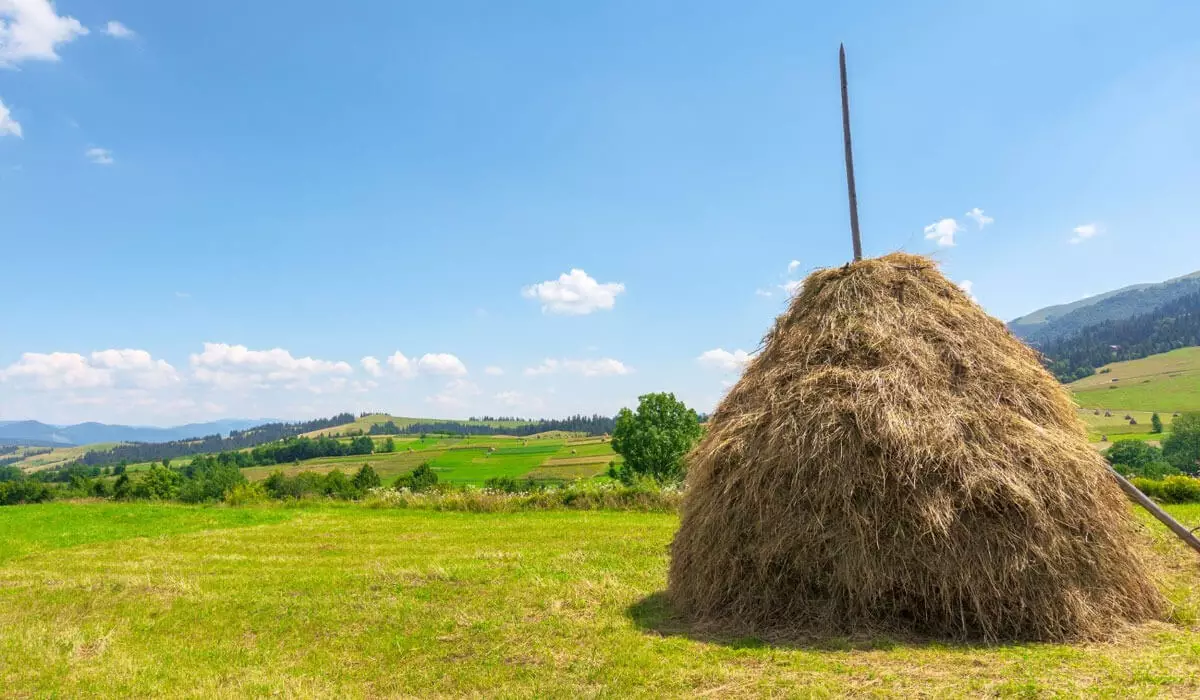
<point>349,601</point>
<point>1166,382</point>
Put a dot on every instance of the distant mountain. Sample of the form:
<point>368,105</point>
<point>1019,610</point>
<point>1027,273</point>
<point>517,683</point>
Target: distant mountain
<point>1054,323</point>
<point>31,432</point>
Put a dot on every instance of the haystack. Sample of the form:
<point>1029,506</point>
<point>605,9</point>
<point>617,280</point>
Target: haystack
<point>894,460</point>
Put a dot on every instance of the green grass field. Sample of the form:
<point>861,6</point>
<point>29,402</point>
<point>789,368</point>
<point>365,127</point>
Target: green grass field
<point>326,601</point>
<point>467,460</point>
<point>1167,383</point>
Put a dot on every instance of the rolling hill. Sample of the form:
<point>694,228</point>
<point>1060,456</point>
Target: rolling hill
<point>1056,322</point>
<point>31,432</point>
<point>1167,382</point>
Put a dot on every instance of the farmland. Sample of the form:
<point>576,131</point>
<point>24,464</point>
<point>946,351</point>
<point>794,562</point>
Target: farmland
<point>323,600</point>
<point>1167,382</point>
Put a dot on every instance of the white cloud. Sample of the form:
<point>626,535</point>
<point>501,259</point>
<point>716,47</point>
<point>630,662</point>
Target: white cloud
<point>456,394</point>
<point>943,231</point>
<point>8,125</point>
<point>967,286</point>
<point>118,31</point>
<point>763,292</point>
<point>442,364</point>
<point>493,370</point>
<point>980,218</point>
<point>103,368</point>
<point>371,366</point>
<point>1084,232</point>
<point>31,30</point>
<point>574,293</point>
<point>792,266</point>
<point>791,286</point>
<point>99,156</point>
<point>724,360</point>
<point>401,365</point>
<point>237,367</point>
<point>603,367</point>
<point>515,399</point>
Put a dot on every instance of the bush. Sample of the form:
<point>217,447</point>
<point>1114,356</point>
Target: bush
<point>1180,489</point>
<point>336,485</point>
<point>1134,454</point>
<point>1173,489</point>
<point>508,484</point>
<point>210,482</point>
<point>1182,446</point>
<point>15,492</point>
<point>423,478</point>
<point>158,483</point>
<point>245,494</point>
<point>366,479</point>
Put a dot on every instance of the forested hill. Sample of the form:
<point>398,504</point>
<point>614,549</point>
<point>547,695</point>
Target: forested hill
<point>1055,323</point>
<point>1175,324</point>
<point>238,439</point>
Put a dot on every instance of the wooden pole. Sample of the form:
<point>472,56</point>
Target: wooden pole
<point>849,156</point>
<point>1144,501</point>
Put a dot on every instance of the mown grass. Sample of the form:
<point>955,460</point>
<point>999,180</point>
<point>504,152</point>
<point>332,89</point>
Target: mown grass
<point>354,602</point>
<point>1166,382</point>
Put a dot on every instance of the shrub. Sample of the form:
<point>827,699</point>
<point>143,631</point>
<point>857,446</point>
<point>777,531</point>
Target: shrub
<point>1180,489</point>
<point>158,483</point>
<point>14,492</point>
<point>508,484</point>
<point>1134,454</point>
<point>423,478</point>
<point>336,485</point>
<point>366,479</point>
<point>246,494</point>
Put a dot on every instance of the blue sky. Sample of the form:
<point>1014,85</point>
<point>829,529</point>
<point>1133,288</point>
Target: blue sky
<point>220,209</point>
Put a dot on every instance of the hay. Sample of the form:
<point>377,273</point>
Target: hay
<point>894,460</point>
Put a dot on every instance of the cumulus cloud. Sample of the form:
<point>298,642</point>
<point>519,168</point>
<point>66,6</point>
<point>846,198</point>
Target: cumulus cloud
<point>441,363</point>
<point>967,286</point>
<point>401,365</point>
<point>456,394</point>
<point>99,156</point>
<point>118,31</point>
<point>763,292</point>
<point>724,360</point>
<point>515,399</point>
<point>103,368</point>
<point>493,370</point>
<point>31,30</point>
<point>979,218</point>
<point>792,266</point>
<point>603,367</point>
<point>791,286</point>
<point>238,367</point>
<point>1084,232</point>
<point>8,125</point>
<point>371,366</point>
<point>943,231</point>
<point>574,293</point>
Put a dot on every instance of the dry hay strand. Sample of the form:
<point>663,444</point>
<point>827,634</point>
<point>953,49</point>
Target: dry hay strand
<point>895,460</point>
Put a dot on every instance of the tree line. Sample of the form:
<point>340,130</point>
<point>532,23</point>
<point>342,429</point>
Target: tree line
<point>1175,324</point>
<point>590,425</point>
<point>237,440</point>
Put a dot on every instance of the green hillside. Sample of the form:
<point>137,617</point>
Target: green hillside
<point>1166,383</point>
<point>364,423</point>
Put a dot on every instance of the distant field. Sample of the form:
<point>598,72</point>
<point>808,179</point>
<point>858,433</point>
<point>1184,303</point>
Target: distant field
<point>1165,383</point>
<point>466,460</point>
<point>143,600</point>
<point>60,456</point>
<point>364,424</point>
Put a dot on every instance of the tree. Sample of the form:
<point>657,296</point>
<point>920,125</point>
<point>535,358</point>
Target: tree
<point>122,489</point>
<point>366,479</point>
<point>1134,454</point>
<point>1182,446</point>
<point>1155,423</point>
<point>389,445</point>
<point>655,439</point>
<point>422,478</point>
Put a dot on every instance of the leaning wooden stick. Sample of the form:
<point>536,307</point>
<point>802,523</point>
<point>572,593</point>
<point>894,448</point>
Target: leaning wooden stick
<point>1144,501</point>
<point>849,156</point>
